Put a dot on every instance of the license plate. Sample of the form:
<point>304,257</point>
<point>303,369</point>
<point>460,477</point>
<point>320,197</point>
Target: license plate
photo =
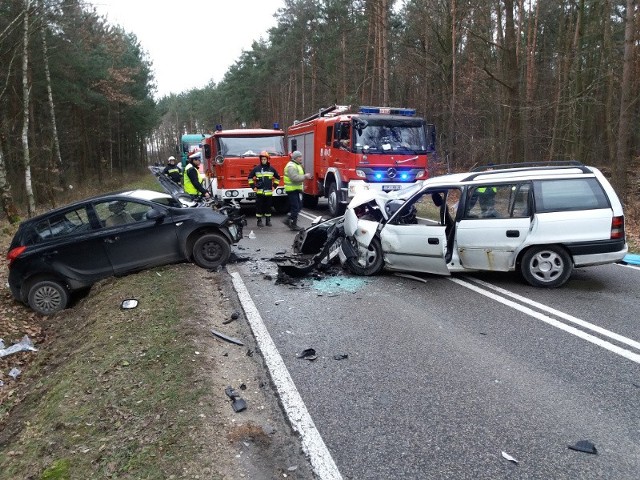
<point>251,195</point>
<point>389,188</point>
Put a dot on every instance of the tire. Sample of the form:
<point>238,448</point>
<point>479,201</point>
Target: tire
<point>546,266</point>
<point>309,201</point>
<point>48,297</point>
<point>211,251</point>
<point>335,207</point>
<point>371,258</point>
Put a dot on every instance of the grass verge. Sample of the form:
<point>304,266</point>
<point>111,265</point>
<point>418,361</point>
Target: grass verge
<point>118,395</point>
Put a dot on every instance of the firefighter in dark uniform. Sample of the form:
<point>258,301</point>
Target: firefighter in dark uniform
<point>172,171</point>
<point>263,179</point>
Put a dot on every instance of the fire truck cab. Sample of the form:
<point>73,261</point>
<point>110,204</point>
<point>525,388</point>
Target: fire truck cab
<point>374,148</point>
<point>230,155</point>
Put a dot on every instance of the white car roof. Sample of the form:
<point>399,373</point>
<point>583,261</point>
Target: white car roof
<point>516,174</point>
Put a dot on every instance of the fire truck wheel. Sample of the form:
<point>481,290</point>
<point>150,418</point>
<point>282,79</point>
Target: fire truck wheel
<point>369,260</point>
<point>309,201</point>
<point>335,207</point>
<point>211,250</point>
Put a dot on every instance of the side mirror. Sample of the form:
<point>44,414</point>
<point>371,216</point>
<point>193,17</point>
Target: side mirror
<point>207,151</point>
<point>155,214</point>
<point>219,159</point>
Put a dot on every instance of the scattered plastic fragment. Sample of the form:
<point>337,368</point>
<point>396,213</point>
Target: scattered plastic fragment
<point>227,338</point>
<point>252,235</point>
<point>23,345</point>
<point>234,316</point>
<point>238,403</point>
<point>308,354</point>
<point>129,303</point>
<point>506,456</point>
<point>341,356</point>
<point>14,373</point>
<point>584,446</point>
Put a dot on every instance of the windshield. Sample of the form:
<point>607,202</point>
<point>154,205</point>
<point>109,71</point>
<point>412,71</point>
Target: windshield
<point>390,136</point>
<point>250,146</point>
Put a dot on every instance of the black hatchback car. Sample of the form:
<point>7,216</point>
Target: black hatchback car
<point>72,247</point>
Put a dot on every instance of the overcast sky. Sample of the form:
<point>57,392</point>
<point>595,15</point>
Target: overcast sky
<point>187,53</point>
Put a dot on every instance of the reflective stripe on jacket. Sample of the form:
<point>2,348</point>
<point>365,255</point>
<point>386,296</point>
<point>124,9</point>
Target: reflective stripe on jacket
<point>263,179</point>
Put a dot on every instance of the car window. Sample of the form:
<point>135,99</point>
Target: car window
<point>61,224</point>
<point>120,212</point>
<point>490,201</point>
<point>570,194</point>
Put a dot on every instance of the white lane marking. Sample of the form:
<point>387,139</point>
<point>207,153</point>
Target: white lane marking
<point>632,267</point>
<point>634,357</point>
<point>312,443</point>
<point>566,316</point>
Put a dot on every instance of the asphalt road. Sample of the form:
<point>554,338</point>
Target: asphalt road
<point>444,375</point>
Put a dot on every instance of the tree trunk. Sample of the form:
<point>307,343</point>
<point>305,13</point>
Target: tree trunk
<point>626,103</point>
<point>52,111</point>
<point>6,199</point>
<point>384,41</point>
<point>25,110</point>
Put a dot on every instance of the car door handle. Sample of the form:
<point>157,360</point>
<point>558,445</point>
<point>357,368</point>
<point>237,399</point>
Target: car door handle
<point>513,233</point>
<point>111,239</point>
<point>433,241</point>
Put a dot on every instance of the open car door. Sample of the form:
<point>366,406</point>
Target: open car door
<point>415,237</point>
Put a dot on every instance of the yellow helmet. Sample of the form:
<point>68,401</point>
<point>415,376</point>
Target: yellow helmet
<point>265,154</point>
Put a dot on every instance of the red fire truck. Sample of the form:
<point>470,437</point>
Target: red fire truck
<point>229,156</point>
<point>374,148</point>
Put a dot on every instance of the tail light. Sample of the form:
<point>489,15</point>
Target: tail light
<point>617,228</point>
<point>15,253</point>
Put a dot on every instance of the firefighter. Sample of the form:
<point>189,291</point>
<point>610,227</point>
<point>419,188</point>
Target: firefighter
<point>294,176</point>
<point>191,179</point>
<point>172,170</point>
<point>263,179</point>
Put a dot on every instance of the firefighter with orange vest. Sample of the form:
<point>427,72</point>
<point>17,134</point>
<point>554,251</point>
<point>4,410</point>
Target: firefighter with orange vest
<point>263,179</point>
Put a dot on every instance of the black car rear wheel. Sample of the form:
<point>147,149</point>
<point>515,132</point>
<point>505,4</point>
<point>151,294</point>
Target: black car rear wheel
<point>211,250</point>
<point>48,296</point>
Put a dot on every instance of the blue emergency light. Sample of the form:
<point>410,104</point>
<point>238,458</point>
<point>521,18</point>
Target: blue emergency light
<point>407,112</point>
<point>379,176</point>
<point>276,126</point>
<point>218,127</point>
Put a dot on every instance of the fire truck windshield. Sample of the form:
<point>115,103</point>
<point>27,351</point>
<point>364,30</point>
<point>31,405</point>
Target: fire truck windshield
<point>390,136</point>
<point>250,146</point>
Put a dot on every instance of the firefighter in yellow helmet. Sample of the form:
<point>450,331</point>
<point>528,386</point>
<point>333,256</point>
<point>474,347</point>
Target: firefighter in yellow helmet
<point>263,179</point>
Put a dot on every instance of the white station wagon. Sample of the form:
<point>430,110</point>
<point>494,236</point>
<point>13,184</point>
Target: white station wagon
<point>540,220</point>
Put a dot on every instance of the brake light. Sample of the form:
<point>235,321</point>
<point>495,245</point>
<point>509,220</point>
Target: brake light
<point>617,228</point>
<point>15,253</point>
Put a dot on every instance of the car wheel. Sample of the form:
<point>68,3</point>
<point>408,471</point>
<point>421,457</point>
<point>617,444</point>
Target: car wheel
<point>547,266</point>
<point>335,207</point>
<point>211,250</point>
<point>47,297</point>
<point>369,260</point>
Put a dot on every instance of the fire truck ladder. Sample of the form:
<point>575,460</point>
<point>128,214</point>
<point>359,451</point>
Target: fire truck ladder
<point>325,111</point>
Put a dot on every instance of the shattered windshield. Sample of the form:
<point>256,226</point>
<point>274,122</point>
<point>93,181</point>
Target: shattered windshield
<point>250,146</point>
<point>390,136</point>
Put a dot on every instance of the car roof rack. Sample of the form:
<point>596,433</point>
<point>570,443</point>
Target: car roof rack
<point>532,166</point>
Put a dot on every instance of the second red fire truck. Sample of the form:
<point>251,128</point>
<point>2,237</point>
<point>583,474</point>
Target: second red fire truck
<point>230,155</point>
<point>372,148</point>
